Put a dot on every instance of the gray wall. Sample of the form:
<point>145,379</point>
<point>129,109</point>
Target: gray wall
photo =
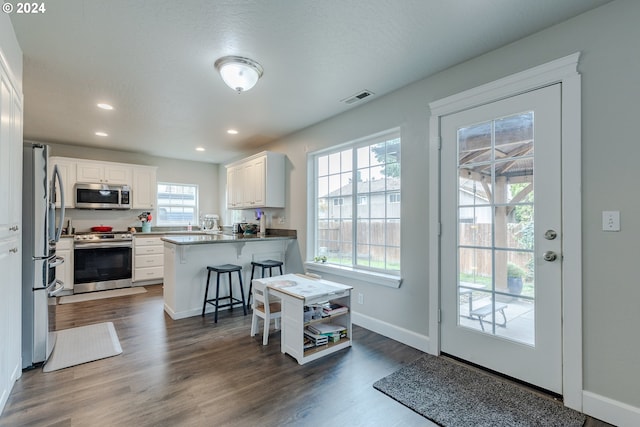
<point>610,65</point>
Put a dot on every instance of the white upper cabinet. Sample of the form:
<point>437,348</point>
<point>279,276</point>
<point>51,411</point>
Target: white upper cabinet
<point>256,182</point>
<point>144,187</point>
<point>103,173</point>
<point>67,168</point>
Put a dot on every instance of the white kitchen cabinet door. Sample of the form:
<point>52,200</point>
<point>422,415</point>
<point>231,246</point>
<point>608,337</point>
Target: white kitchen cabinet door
<point>234,187</point>
<point>6,153</point>
<point>145,187</point>
<point>117,174</point>
<point>15,193</point>
<point>64,271</point>
<point>148,259</point>
<point>67,170</point>
<point>256,182</point>
<point>103,173</point>
<point>90,172</point>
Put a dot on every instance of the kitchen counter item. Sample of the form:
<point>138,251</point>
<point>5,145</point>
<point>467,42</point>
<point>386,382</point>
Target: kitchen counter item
<point>250,229</point>
<point>210,222</point>
<point>101,229</point>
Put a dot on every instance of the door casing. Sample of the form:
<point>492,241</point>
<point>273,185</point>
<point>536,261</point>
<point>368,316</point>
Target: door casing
<point>564,71</point>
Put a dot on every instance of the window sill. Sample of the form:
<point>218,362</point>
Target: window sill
<point>352,273</point>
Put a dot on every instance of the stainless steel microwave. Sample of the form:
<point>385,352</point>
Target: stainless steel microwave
<point>102,196</point>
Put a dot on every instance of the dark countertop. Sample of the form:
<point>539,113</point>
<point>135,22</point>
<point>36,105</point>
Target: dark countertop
<point>201,239</point>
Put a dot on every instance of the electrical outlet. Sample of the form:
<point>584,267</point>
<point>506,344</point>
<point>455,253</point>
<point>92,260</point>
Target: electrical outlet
<point>611,221</point>
<point>281,220</point>
<point>360,298</point>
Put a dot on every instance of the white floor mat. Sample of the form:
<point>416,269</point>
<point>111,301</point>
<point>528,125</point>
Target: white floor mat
<point>101,294</point>
<point>83,344</point>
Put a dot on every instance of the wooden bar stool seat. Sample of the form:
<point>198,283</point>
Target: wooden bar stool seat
<point>270,264</point>
<point>222,269</point>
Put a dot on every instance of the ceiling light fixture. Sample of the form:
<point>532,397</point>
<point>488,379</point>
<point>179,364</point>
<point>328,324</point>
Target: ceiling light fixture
<point>105,106</point>
<point>240,74</point>
<point>199,148</point>
<point>99,133</point>
<point>232,132</point>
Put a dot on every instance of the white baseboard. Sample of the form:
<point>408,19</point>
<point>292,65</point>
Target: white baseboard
<point>405,336</point>
<point>609,410</point>
<point>6,391</point>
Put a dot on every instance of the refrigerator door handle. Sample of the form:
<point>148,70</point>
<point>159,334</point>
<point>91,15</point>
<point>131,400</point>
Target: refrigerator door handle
<point>59,287</point>
<point>57,177</point>
<point>58,261</point>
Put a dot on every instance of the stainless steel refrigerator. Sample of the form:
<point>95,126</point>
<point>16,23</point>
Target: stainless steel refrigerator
<point>39,261</point>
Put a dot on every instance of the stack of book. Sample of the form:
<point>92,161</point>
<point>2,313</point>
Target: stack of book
<point>331,308</point>
<point>313,340</point>
<point>330,331</point>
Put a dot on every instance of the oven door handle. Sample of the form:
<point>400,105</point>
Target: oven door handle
<point>103,245</point>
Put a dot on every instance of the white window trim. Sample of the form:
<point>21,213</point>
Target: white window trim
<point>369,276</point>
<point>564,71</point>
<point>196,221</point>
<point>372,277</point>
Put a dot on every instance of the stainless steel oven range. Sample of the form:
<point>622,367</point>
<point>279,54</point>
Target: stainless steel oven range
<point>102,261</point>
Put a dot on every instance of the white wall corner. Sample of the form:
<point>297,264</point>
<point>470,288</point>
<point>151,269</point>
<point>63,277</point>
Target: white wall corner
<point>609,410</point>
<point>405,336</point>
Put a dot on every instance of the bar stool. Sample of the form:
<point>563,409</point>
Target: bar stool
<point>269,263</point>
<point>226,268</point>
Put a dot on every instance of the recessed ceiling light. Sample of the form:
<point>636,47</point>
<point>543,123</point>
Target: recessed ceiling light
<point>105,106</point>
<point>99,133</point>
<point>232,132</point>
<point>199,148</point>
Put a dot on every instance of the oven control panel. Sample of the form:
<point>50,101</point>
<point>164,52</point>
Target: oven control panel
<point>102,237</point>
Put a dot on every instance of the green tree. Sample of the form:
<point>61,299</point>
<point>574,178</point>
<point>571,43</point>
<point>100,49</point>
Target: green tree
<point>388,153</point>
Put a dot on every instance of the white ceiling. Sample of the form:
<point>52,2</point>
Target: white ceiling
<point>153,60</point>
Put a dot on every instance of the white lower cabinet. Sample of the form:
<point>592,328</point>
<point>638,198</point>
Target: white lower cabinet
<point>64,272</point>
<point>148,259</point>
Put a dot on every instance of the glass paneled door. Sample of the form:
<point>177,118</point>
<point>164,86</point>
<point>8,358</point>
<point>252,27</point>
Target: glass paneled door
<point>501,240</point>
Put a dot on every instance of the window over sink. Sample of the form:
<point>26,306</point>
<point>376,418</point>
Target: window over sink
<point>177,204</point>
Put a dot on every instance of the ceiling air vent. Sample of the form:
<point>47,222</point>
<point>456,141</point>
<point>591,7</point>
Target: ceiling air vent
<point>357,97</point>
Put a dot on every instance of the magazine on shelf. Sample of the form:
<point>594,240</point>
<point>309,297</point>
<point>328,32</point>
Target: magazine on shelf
<point>326,328</point>
<point>332,308</point>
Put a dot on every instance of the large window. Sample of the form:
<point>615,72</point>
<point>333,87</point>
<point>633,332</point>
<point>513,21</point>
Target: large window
<point>357,204</point>
<point>177,204</point>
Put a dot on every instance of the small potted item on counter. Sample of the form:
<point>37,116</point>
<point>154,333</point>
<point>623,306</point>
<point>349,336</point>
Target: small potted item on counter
<point>146,218</point>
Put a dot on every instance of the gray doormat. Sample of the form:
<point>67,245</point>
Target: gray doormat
<point>89,296</point>
<point>453,395</point>
<point>83,344</point>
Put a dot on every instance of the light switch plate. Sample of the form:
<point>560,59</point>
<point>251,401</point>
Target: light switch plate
<point>611,221</point>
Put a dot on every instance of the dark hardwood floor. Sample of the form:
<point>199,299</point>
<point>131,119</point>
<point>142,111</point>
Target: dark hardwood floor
<point>193,372</point>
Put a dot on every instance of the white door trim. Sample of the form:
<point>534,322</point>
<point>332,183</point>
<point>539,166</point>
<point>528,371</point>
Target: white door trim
<point>564,71</point>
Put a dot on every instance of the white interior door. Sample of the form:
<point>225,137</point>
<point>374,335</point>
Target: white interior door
<point>501,266</point>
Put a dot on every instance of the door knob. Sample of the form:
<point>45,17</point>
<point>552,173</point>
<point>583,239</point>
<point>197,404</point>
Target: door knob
<point>550,234</point>
<point>550,256</point>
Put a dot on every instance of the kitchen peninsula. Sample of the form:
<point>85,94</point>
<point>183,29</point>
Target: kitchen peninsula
<point>186,258</point>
